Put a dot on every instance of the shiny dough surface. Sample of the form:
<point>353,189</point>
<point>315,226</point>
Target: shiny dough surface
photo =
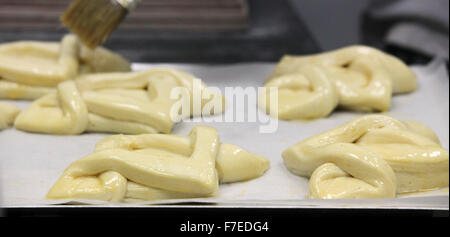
<point>130,102</point>
<point>356,78</point>
<point>8,113</point>
<point>31,69</point>
<point>128,168</point>
<point>373,156</point>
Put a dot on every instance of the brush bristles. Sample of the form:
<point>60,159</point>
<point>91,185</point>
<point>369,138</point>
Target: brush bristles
<point>93,20</point>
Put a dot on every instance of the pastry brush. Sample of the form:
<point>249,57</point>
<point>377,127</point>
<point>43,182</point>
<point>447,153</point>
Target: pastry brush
<point>94,20</point>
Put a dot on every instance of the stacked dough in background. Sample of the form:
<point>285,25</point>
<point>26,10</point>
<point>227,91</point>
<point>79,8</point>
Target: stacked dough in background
<point>31,69</point>
<point>356,78</point>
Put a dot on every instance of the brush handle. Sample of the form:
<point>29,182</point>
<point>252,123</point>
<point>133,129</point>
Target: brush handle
<point>128,4</point>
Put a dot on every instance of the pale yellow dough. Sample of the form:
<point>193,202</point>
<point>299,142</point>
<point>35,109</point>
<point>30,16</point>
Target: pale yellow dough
<point>31,69</point>
<point>131,103</point>
<point>374,156</point>
<point>356,78</point>
<point>8,113</point>
<point>157,166</point>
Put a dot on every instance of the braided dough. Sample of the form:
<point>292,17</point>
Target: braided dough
<point>8,113</point>
<point>357,78</point>
<point>31,69</point>
<point>373,156</point>
<point>157,166</point>
<point>131,103</point>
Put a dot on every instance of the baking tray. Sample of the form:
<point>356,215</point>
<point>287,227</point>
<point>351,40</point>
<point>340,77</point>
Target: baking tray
<point>31,163</point>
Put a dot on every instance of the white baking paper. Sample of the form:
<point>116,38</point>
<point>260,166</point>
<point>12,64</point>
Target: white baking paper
<point>31,163</point>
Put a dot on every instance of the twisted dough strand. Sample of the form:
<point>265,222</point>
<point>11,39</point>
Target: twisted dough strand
<point>404,80</point>
<point>61,112</point>
<point>157,166</point>
<point>364,79</point>
<point>133,103</point>
<point>306,93</point>
<point>359,158</point>
<point>31,69</point>
<point>15,66</point>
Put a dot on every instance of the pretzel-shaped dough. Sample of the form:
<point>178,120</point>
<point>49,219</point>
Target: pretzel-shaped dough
<point>8,113</point>
<point>157,166</point>
<point>364,79</point>
<point>307,93</point>
<point>374,156</point>
<point>30,69</point>
<point>132,103</point>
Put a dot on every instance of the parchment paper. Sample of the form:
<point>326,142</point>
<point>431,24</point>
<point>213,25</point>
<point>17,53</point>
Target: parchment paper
<point>31,163</point>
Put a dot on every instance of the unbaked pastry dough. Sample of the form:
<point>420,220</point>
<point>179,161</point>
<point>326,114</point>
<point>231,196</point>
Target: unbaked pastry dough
<point>8,113</point>
<point>31,69</point>
<point>356,78</point>
<point>157,166</point>
<point>131,103</point>
<point>374,156</point>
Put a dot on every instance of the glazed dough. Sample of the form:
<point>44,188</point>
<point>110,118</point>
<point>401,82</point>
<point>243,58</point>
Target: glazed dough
<point>131,103</point>
<point>374,156</point>
<point>307,93</point>
<point>31,69</point>
<point>8,113</point>
<point>356,78</point>
<point>157,166</point>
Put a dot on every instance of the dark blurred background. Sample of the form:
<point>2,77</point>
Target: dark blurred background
<point>225,31</point>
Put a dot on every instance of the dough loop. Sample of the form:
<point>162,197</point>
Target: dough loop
<point>356,78</point>
<point>31,69</point>
<point>131,103</point>
<point>373,156</point>
<point>157,166</point>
